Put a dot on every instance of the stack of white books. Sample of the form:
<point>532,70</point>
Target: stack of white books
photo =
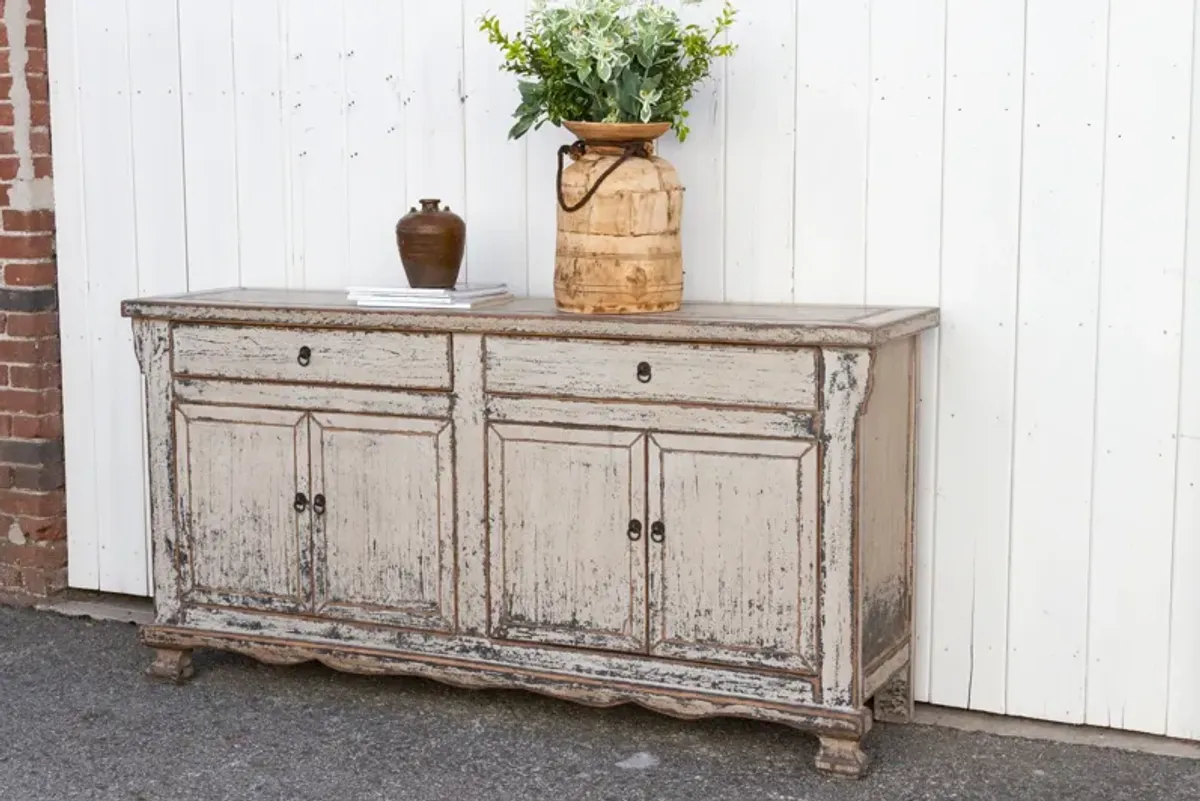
<point>463,296</point>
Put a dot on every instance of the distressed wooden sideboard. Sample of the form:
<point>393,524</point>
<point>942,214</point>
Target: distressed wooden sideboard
<point>707,512</point>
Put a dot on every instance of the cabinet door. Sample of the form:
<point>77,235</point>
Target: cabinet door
<point>733,550</point>
<point>383,511</point>
<point>246,534</point>
<point>565,568</point>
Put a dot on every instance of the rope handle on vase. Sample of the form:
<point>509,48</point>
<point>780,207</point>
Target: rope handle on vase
<point>577,149</point>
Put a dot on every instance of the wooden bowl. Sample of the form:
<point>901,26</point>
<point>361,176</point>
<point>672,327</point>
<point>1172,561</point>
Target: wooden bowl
<point>607,133</point>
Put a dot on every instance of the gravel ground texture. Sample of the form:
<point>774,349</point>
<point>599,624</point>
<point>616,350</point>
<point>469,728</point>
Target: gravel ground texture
<point>79,720</point>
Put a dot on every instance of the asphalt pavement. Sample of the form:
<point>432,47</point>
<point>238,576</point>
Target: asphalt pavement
<point>79,720</point>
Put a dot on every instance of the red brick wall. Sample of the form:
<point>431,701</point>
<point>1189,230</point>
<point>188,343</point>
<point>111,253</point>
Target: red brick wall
<point>33,548</point>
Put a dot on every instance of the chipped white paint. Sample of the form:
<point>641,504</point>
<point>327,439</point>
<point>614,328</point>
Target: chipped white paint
<point>885,484</point>
<point>756,324</point>
<point>687,419</point>
<point>383,518</point>
<point>710,375</point>
<point>575,675</point>
<point>365,358</point>
<point>507,523</point>
<point>567,532</point>
<point>734,578</point>
<point>305,396</point>
<point>470,484</point>
<point>239,472</point>
<point>846,376</point>
<point>786,694</point>
<point>876,678</point>
<point>152,345</point>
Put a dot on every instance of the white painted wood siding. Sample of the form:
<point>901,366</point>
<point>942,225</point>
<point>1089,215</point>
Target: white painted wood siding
<point>1028,165</point>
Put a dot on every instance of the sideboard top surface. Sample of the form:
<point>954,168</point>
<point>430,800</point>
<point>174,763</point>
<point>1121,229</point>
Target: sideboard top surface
<point>780,324</point>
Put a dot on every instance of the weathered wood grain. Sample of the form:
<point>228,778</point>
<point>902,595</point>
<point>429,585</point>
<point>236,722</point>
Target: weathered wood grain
<point>240,473</point>
<point>705,374</point>
<point>891,686</point>
<point>622,251</point>
<point>306,396</point>
<point>784,423</point>
<point>876,674</point>
<point>470,484</point>
<point>592,689</point>
<point>885,509</point>
<point>767,687</point>
<point>734,578</point>
<point>364,358</point>
<point>847,375</point>
<point>565,567</point>
<point>752,323</point>
<point>152,344</point>
<point>172,664</point>
<point>384,544</point>
<point>841,757</point>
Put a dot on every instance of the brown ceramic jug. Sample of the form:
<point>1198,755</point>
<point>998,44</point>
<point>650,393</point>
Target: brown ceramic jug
<point>431,243</point>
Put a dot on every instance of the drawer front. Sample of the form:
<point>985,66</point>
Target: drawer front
<point>363,358</point>
<point>708,374</point>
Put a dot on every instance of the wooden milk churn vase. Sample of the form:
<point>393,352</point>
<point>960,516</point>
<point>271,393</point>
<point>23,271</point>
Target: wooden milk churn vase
<point>619,248</point>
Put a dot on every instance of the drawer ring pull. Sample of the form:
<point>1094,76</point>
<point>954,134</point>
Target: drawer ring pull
<point>305,356</point>
<point>635,530</point>
<point>301,502</point>
<point>318,504</point>
<point>658,532</point>
<point>643,372</point>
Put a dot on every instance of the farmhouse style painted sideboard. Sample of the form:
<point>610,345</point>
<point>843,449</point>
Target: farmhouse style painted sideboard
<point>707,512</point>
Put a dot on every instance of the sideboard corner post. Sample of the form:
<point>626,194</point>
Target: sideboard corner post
<point>153,341</point>
<point>847,374</point>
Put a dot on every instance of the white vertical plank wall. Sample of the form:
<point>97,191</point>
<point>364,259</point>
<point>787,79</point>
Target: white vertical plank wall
<point>903,204</point>
<point>1138,367</point>
<point>832,123</point>
<point>1058,295</point>
<point>260,143</point>
<point>760,163</point>
<point>1030,166</point>
<point>1183,694</point>
<point>981,180</point>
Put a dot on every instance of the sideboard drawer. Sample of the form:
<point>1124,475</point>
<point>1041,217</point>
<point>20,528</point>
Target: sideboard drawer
<point>708,374</point>
<point>317,356</point>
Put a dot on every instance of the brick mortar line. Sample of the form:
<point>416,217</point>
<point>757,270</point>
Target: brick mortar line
<point>27,192</point>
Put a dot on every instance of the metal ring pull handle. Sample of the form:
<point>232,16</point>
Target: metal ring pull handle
<point>319,504</point>
<point>643,372</point>
<point>301,502</point>
<point>576,150</point>
<point>658,532</point>
<point>305,356</point>
<point>635,530</point>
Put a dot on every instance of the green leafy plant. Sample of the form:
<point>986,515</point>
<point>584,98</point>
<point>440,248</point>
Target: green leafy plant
<point>607,61</point>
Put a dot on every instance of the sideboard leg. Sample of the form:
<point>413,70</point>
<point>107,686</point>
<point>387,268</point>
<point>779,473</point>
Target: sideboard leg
<point>842,757</point>
<point>171,664</point>
<point>894,700</point>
